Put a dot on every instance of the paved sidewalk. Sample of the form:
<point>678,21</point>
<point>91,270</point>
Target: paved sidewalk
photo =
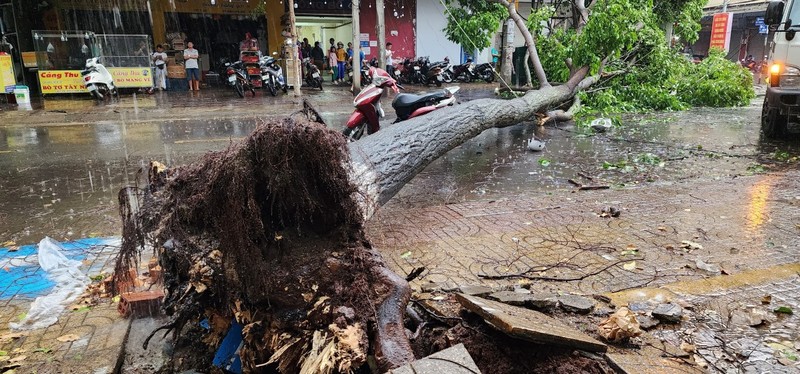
<point>85,340</point>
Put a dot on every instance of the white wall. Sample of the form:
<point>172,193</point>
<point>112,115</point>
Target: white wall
<point>431,41</point>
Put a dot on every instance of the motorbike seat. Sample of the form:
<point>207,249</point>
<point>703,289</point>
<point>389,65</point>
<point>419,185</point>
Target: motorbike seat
<point>405,100</point>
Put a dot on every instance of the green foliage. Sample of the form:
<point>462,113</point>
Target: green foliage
<point>685,14</point>
<point>473,23</point>
<point>717,82</point>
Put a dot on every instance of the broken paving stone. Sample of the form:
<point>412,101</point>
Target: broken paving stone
<point>750,317</point>
<point>641,307</point>
<point>646,322</point>
<point>441,286</point>
<point>510,298</point>
<point>474,290</point>
<point>543,301</point>
<point>668,312</point>
<point>576,304</point>
<point>455,360</point>
<point>529,325</point>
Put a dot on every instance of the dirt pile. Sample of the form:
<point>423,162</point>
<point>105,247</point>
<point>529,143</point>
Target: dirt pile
<point>268,233</point>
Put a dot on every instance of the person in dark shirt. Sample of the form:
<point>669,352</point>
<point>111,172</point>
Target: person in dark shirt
<point>318,55</point>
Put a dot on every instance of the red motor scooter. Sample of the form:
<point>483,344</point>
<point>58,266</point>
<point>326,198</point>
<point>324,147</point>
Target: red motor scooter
<point>369,110</point>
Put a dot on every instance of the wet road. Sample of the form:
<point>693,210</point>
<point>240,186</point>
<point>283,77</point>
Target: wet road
<point>62,165</point>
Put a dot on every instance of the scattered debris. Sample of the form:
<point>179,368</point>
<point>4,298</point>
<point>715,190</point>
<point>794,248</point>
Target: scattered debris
<point>689,246</point>
<point>609,211</point>
<point>671,312</point>
<point>535,145</point>
<point>68,338</point>
<point>750,317</point>
<point>576,304</point>
<point>455,360</point>
<point>711,268</point>
<point>620,326</point>
<point>529,325</point>
<point>473,290</point>
<point>646,322</point>
<point>140,304</point>
<point>601,125</point>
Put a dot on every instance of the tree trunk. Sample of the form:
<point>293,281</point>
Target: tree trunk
<point>506,67</point>
<point>380,29</point>
<point>295,60</point>
<point>384,162</point>
<point>356,47</point>
<point>529,42</point>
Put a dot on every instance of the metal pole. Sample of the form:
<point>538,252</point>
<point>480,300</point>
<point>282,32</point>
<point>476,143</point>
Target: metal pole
<point>293,47</point>
<point>356,47</point>
<point>380,29</point>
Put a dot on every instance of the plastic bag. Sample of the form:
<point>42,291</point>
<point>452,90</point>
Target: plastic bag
<point>70,284</point>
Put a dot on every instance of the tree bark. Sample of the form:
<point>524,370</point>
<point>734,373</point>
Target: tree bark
<point>506,67</point>
<point>531,44</point>
<point>295,60</point>
<point>384,162</point>
<point>356,46</point>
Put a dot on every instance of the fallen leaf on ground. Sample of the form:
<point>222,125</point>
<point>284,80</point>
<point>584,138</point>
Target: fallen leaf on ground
<point>629,266</point>
<point>619,326</point>
<point>405,254</point>
<point>17,359</point>
<point>783,309</point>
<point>711,268</point>
<point>68,338</point>
<point>3,353</point>
<point>662,228</point>
<point>690,245</point>
<point>8,243</point>
<point>766,299</point>
<point>43,350</point>
<point>686,347</point>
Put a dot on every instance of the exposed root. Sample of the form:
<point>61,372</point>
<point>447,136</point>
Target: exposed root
<point>268,234</point>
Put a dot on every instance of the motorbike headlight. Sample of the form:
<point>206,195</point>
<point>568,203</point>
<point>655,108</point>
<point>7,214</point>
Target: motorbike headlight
<point>790,77</point>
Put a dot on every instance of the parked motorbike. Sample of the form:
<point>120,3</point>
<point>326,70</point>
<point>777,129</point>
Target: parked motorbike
<point>237,78</point>
<point>98,80</point>
<point>433,72</point>
<point>272,75</point>
<point>369,110</point>
<point>312,75</point>
<point>461,72</point>
<point>484,72</point>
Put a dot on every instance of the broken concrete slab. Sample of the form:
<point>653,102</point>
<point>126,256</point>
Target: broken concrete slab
<point>668,312</point>
<point>646,322</point>
<point>576,304</point>
<point>440,286</point>
<point>474,290</point>
<point>529,325</point>
<point>510,298</point>
<point>649,361</point>
<point>453,360</point>
<point>543,301</point>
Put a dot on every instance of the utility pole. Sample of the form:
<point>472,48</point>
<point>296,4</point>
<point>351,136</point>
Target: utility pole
<point>295,58</point>
<point>356,47</point>
<point>380,29</point>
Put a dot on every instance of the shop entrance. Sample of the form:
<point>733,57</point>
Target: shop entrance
<point>217,36</point>
<point>321,29</point>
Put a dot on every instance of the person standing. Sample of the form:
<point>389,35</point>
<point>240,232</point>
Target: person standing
<point>389,60</point>
<point>159,59</point>
<point>190,57</point>
<point>332,63</point>
<point>318,55</point>
<point>341,60</point>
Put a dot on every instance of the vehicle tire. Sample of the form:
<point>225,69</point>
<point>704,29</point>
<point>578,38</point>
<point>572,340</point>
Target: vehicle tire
<point>773,124</point>
<point>437,81</point>
<point>318,82</point>
<point>286,88</point>
<point>97,96</point>
<point>353,134</point>
<point>489,77</point>
<point>239,88</point>
<point>447,77</point>
<point>252,90</point>
<point>270,86</point>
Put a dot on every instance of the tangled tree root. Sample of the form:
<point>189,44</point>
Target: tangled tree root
<point>269,233</point>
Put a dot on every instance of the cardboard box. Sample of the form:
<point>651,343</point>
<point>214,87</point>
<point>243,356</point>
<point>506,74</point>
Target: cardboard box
<point>176,71</point>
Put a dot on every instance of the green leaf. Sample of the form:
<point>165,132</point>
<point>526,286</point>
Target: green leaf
<point>43,350</point>
<point>544,162</point>
<point>783,310</point>
<point>405,254</point>
<point>3,353</point>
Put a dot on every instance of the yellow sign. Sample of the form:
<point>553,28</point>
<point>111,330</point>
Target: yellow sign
<point>132,77</point>
<point>61,81</point>
<point>70,81</point>
<point>7,78</point>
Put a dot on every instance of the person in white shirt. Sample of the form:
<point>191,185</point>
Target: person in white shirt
<point>190,56</point>
<point>389,60</point>
<point>160,61</point>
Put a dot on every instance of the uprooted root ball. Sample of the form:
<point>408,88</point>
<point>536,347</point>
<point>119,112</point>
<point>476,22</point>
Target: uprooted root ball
<point>269,233</point>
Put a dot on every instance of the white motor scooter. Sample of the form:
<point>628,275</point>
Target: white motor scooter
<point>98,80</point>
